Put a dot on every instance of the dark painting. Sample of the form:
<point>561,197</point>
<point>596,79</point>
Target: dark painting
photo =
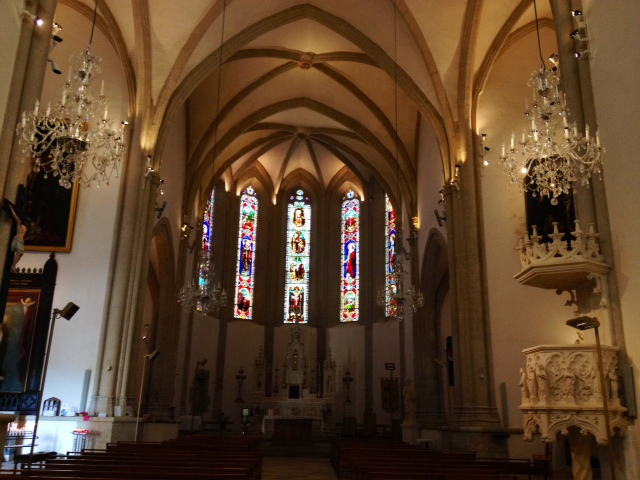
<point>50,208</point>
<point>18,327</point>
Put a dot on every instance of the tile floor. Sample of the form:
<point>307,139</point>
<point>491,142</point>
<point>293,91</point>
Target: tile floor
<point>285,468</point>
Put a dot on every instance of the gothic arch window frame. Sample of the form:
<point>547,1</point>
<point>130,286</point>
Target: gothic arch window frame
<point>246,249</point>
<point>350,257</point>
<point>390,229</point>
<point>297,257</point>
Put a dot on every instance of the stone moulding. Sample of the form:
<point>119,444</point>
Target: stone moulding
<point>563,265</point>
<point>560,387</point>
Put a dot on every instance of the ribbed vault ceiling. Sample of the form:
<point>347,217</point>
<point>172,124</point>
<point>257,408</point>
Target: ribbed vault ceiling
<point>375,71</point>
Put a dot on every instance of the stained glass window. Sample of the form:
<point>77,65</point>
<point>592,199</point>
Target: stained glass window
<point>207,221</point>
<point>207,225</point>
<point>296,295</point>
<point>245,273</point>
<point>391,306</point>
<point>350,292</point>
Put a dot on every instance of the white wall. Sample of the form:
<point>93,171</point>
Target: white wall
<point>82,273</point>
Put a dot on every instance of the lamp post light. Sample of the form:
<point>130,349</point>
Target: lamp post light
<point>240,378</point>
<point>67,312</point>
<point>588,323</point>
<point>150,357</point>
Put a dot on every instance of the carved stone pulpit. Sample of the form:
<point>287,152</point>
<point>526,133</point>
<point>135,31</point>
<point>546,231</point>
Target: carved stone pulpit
<point>561,391</point>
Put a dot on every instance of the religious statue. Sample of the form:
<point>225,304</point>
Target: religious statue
<point>409,395</point>
<point>613,383</point>
<point>523,385</point>
<point>531,382</point>
<point>541,377</point>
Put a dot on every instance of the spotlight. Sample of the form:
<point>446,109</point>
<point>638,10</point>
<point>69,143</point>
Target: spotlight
<point>553,58</point>
<point>54,67</point>
<point>56,38</point>
<point>67,312</point>
<point>575,35</point>
<point>582,55</point>
<point>487,149</point>
<point>160,209</point>
<point>576,13</point>
<point>37,21</point>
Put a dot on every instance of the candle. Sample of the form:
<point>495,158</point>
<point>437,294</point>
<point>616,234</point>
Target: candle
<point>48,108</point>
<point>102,89</point>
<point>503,150</point>
<point>524,139</point>
<point>598,138</point>
<point>35,110</point>
<point>105,113</point>
<point>586,131</point>
<point>513,140</point>
<point>24,119</point>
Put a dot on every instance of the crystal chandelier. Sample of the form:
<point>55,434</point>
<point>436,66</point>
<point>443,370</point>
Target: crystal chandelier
<point>202,296</point>
<point>75,139</point>
<point>552,154</point>
<point>401,294</point>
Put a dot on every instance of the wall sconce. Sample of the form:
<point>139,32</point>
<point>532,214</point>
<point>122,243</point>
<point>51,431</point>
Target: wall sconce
<point>160,209</point>
<point>37,21</point>
<point>484,149</point>
<point>415,220</point>
<point>185,231</point>
<point>148,168</point>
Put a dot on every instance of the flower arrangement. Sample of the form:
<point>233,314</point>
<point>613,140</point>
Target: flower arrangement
<point>80,431</point>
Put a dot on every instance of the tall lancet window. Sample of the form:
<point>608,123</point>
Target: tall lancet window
<point>350,292</point>
<point>207,225</point>
<point>391,306</point>
<point>245,274</point>
<point>296,295</point>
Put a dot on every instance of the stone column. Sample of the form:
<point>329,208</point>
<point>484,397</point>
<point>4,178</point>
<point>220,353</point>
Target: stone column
<point>121,303</point>
<point>128,390</point>
<point>474,402</point>
<point>591,203</point>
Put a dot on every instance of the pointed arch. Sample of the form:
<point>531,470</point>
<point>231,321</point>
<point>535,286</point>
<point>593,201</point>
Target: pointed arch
<point>428,348</point>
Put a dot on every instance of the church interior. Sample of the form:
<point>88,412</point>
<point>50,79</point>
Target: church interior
<point>322,220</point>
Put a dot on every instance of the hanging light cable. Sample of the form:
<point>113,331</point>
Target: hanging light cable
<point>552,154</point>
<point>204,296</point>
<point>401,292</point>
<point>75,139</point>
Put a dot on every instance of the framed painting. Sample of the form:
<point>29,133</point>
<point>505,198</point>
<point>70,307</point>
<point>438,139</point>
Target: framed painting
<point>25,325</point>
<point>18,329</point>
<point>51,211</point>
